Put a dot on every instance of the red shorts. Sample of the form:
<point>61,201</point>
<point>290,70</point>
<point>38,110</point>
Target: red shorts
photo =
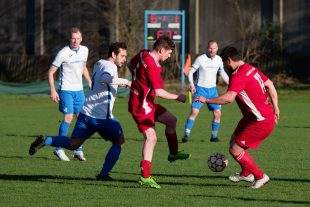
<point>145,121</point>
<point>251,133</point>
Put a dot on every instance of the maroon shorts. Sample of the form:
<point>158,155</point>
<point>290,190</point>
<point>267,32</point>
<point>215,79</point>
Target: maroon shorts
<point>145,121</point>
<point>251,133</point>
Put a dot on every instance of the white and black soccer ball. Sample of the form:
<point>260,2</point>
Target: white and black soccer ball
<point>217,162</point>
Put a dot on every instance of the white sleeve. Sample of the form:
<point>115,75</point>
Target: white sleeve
<point>195,66</point>
<point>119,81</point>
<point>58,59</point>
<point>223,74</point>
<point>86,54</point>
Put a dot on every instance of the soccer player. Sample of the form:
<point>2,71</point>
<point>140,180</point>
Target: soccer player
<point>257,99</point>
<point>146,85</point>
<point>96,114</point>
<point>72,61</point>
<point>208,66</point>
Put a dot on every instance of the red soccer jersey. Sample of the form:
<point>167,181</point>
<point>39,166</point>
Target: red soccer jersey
<point>146,77</point>
<point>248,82</point>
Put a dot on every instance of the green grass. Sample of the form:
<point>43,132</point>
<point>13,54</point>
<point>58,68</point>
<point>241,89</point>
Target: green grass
<point>42,180</point>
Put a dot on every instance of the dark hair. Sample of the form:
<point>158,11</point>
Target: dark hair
<point>163,42</point>
<point>115,46</point>
<point>230,52</point>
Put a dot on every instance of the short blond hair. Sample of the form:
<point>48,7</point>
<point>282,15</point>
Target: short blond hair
<point>74,30</point>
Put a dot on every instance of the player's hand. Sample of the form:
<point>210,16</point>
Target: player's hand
<point>192,88</point>
<point>181,98</point>
<point>277,114</point>
<point>200,99</point>
<point>54,96</point>
<point>128,84</point>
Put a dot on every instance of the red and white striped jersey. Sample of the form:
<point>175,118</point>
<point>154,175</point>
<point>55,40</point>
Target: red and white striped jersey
<point>252,98</point>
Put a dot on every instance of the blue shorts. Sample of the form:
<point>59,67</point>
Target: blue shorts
<point>207,93</point>
<point>86,126</point>
<point>71,102</point>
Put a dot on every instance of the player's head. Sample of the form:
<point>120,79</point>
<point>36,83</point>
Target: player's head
<point>230,55</point>
<point>118,53</point>
<point>212,48</point>
<point>75,37</point>
<point>164,47</point>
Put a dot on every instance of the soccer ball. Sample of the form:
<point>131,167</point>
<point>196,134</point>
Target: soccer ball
<point>217,162</point>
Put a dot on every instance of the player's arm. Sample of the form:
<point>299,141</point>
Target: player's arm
<point>226,98</point>
<point>87,76</point>
<point>51,81</point>
<point>108,79</point>
<point>223,74</point>
<point>191,79</point>
<point>162,93</point>
<point>272,92</point>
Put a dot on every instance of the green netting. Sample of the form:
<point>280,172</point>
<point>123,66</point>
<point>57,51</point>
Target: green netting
<point>38,88</point>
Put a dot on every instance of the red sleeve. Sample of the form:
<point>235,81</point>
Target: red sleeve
<point>153,72</point>
<point>237,83</point>
<point>262,75</point>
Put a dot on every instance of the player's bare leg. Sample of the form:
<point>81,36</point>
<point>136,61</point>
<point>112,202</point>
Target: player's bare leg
<point>150,140</point>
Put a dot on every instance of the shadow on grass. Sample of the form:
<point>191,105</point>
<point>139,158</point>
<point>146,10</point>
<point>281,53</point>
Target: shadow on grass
<point>60,179</point>
<point>254,199</point>
<point>115,183</point>
<point>217,177</point>
<point>24,157</point>
<point>294,127</point>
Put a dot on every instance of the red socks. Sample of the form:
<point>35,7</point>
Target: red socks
<point>172,143</point>
<point>248,165</point>
<point>146,168</point>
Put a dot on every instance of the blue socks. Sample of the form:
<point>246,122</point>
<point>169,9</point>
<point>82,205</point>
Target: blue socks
<point>63,128</point>
<point>215,129</point>
<point>188,126</point>
<point>57,141</point>
<point>110,159</point>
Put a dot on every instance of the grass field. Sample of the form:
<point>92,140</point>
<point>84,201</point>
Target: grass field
<point>42,180</point>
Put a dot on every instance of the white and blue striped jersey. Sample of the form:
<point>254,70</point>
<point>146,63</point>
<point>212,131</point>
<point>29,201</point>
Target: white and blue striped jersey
<point>72,64</point>
<point>100,99</point>
<point>208,69</point>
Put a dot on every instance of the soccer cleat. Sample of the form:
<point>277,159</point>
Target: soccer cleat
<point>214,139</point>
<point>104,178</point>
<point>260,183</point>
<point>79,155</point>
<point>185,138</point>
<point>179,156</point>
<point>36,145</point>
<point>237,178</point>
<point>61,155</point>
<point>149,182</point>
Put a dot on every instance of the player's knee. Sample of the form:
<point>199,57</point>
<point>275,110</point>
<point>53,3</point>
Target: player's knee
<point>120,141</point>
<point>68,118</point>
<point>173,121</point>
<point>194,113</point>
<point>217,114</point>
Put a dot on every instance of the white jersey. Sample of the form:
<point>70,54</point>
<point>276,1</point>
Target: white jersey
<point>100,99</point>
<point>72,64</point>
<point>208,69</point>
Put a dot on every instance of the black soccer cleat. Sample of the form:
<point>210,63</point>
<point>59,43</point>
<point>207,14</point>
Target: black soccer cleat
<point>185,138</point>
<point>214,139</point>
<point>36,145</point>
